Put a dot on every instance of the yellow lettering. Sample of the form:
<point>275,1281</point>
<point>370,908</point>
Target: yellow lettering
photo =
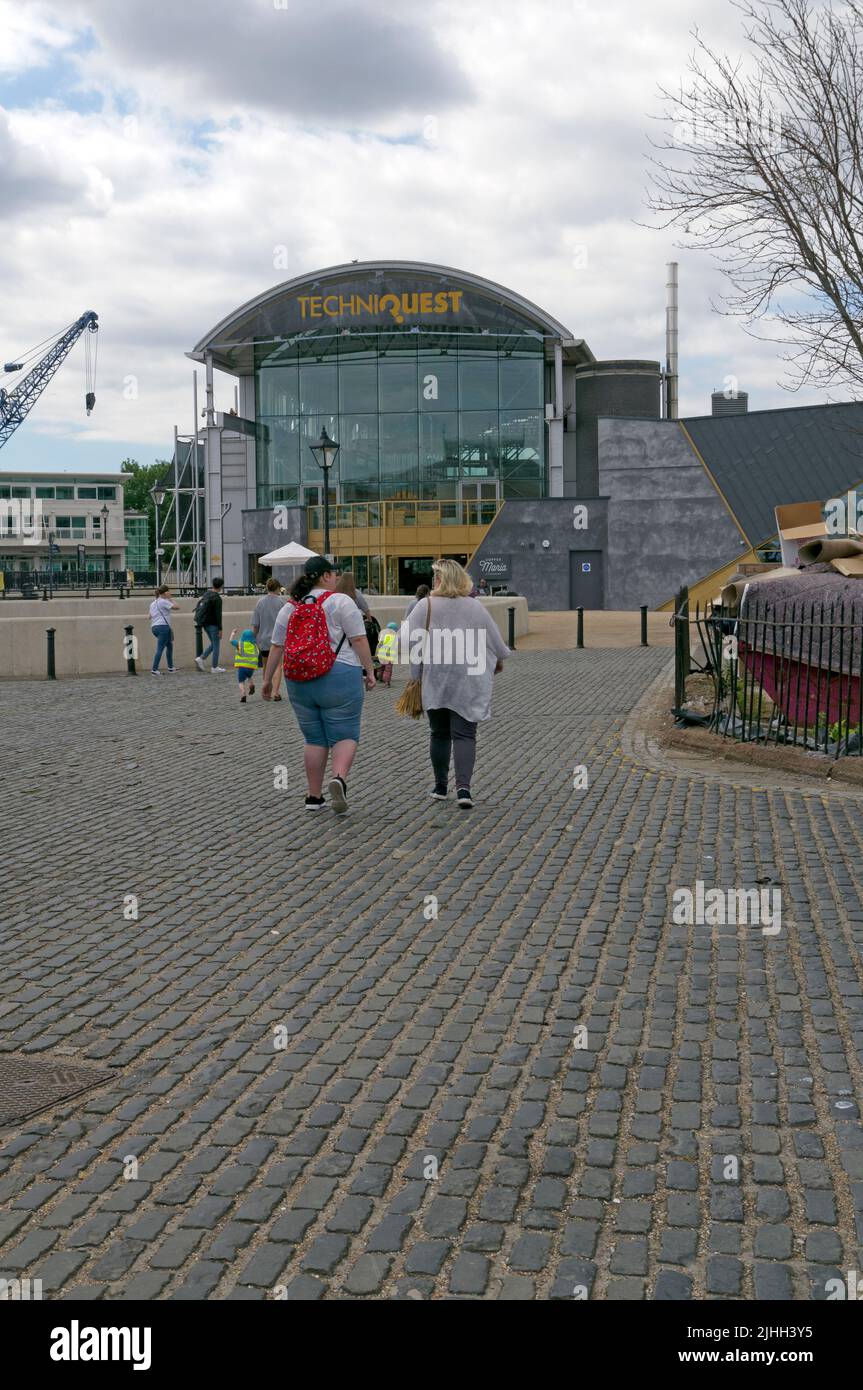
<point>441,302</point>
<point>410,303</point>
<point>426,302</point>
<point>302,301</point>
<point>330,299</point>
<point>391,302</point>
<point>365,305</point>
<point>315,312</point>
<point>456,297</point>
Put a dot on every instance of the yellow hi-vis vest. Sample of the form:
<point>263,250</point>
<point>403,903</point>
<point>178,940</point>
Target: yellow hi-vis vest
<point>386,645</point>
<point>246,654</point>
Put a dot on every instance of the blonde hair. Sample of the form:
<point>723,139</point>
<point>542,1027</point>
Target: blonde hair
<point>455,582</point>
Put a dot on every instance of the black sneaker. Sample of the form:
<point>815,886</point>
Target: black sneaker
<point>315,803</point>
<point>339,795</point>
<point>465,800</point>
<point>439,794</point>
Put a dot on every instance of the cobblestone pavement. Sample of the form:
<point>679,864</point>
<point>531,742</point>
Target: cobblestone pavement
<point>416,1045</point>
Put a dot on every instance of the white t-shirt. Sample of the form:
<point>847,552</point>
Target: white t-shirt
<point>160,612</point>
<point>344,620</point>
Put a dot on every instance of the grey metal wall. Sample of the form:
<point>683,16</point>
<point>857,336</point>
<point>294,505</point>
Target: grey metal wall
<point>667,525</point>
<point>542,575</point>
<point>616,388</point>
<point>260,534</point>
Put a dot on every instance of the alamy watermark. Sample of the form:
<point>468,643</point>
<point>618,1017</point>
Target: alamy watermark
<point>719,907</point>
<point>21,519</point>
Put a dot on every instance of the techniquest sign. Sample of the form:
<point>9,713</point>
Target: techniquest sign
<point>400,307</point>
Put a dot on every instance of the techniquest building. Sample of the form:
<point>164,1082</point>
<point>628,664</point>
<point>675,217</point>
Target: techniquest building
<point>472,423</point>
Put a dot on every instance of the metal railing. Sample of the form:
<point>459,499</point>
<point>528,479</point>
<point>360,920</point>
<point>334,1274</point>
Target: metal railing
<point>787,674</point>
<point>389,515</point>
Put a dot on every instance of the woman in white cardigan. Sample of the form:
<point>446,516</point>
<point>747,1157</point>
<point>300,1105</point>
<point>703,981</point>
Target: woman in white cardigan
<point>457,650</point>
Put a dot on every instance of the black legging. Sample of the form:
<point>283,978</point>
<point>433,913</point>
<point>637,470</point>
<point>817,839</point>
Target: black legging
<point>450,734</point>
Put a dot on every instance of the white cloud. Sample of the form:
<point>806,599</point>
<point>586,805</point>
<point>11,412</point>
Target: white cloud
<point>540,129</point>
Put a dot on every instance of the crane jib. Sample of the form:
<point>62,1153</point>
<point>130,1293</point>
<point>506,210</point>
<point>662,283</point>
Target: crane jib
<point>15,405</point>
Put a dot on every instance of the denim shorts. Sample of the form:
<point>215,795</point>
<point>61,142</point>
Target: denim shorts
<point>245,673</point>
<point>329,709</point>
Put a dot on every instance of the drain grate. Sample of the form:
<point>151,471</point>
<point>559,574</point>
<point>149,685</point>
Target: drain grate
<point>27,1087</point>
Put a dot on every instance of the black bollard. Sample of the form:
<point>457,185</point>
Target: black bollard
<point>644,625</point>
<point>44,595</point>
<point>122,594</point>
<point>579,639</point>
<point>130,650</point>
<point>511,643</point>
<point>52,669</point>
<point>87,595</point>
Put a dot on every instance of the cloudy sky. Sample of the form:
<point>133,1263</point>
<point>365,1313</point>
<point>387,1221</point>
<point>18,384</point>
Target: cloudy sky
<point>159,158</point>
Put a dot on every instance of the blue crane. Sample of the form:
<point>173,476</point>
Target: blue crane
<point>16,404</point>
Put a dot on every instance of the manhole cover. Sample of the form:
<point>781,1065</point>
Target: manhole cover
<point>27,1087</point>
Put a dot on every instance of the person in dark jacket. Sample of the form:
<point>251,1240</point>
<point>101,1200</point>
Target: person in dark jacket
<point>210,619</point>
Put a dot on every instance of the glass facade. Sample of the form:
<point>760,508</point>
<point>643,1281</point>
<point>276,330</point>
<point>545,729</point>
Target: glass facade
<point>417,415</point>
<point>137,529</point>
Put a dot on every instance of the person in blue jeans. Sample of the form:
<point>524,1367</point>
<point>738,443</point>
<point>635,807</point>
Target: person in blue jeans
<point>211,622</point>
<point>160,622</point>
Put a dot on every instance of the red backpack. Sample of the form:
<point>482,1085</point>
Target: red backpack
<point>308,652</point>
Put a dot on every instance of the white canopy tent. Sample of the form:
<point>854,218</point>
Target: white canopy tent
<point>292,554</point>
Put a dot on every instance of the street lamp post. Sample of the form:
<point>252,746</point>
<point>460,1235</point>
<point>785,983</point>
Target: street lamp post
<point>157,492</point>
<point>325,456</point>
<point>104,514</point>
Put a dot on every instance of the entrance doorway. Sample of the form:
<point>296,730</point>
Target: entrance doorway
<point>585,579</point>
<point>414,571</point>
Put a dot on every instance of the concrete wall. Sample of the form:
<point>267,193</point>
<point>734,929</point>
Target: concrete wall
<point>89,636</point>
<point>519,529</point>
<point>667,524</point>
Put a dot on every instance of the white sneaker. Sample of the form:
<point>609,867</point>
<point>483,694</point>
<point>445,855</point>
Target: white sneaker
<point>155,673</point>
<point>217,669</point>
<point>199,662</point>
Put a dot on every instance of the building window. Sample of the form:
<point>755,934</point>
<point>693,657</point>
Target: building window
<point>44,492</point>
<point>64,494</point>
<point>87,494</point>
<point>107,494</point>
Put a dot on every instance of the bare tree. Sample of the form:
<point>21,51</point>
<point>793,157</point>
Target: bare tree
<point>764,166</point>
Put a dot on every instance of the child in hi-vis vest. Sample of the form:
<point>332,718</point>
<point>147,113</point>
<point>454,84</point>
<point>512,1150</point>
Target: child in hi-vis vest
<point>245,660</point>
<point>386,651</point>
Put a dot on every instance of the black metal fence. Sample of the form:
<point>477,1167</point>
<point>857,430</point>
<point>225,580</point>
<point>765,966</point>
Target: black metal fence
<point>789,674</point>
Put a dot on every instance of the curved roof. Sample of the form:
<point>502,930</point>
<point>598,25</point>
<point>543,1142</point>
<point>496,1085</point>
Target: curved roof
<point>231,341</point>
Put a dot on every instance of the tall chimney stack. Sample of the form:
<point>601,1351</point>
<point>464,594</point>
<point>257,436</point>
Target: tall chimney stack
<point>671,371</point>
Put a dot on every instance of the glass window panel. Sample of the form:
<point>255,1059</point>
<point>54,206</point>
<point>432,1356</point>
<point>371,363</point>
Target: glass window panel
<point>310,433</point>
<point>522,441</point>
<point>86,494</point>
<point>279,451</point>
<point>397,385</point>
<point>319,388</point>
<point>521,382</point>
<point>399,456</point>
<point>439,454</point>
<point>477,380</point>
<point>4,490</point>
<point>44,492</point>
<point>358,457</point>
<point>25,491</point>
<point>107,494</point>
<point>478,447</point>
<point>65,521</point>
<point>279,390</point>
<point>358,387</point>
<point>65,494</point>
<point>438,383</point>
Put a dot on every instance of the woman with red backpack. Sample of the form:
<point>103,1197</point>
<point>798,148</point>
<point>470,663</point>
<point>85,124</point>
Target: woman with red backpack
<point>320,636</point>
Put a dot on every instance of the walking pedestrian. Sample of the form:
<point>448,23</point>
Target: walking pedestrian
<point>208,615</point>
<point>245,661</point>
<point>321,635</point>
<point>160,622</point>
<point>423,591</point>
<point>267,609</point>
<point>348,585</point>
<point>456,650</point>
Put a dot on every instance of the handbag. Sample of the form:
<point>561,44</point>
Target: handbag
<point>410,702</point>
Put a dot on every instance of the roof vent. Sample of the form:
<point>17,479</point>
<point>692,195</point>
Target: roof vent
<point>729,403</point>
